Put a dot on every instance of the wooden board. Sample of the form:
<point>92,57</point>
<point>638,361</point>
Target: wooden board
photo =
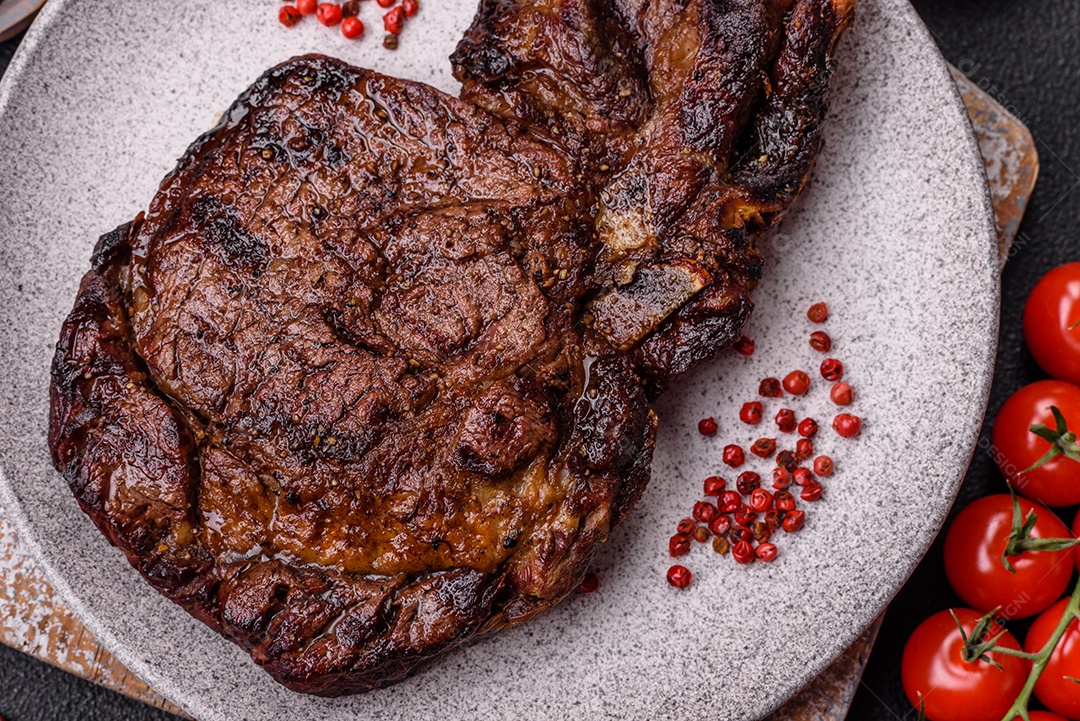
<point>16,15</point>
<point>34,620</point>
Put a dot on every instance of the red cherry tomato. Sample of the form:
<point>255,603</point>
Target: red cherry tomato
<point>1043,716</point>
<point>307,7</point>
<point>1016,448</point>
<point>973,549</point>
<point>1052,311</point>
<point>1057,692</point>
<point>951,688</point>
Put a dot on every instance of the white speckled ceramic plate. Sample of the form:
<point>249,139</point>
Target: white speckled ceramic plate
<point>896,232</point>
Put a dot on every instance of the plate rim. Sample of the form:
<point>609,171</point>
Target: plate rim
<point>979,396</point>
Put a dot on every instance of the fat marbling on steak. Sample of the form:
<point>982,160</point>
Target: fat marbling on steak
<point>373,373</point>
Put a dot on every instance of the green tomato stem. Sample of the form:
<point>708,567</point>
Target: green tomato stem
<point>1020,540</point>
<point>1040,659</point>
<point>1062,440</point>
<point>1013,652</point>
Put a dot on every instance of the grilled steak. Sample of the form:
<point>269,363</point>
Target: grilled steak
<point>372,374</point>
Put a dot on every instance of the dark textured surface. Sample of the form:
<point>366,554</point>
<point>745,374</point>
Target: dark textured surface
<point>33,691</point>
<point>1024,52</point>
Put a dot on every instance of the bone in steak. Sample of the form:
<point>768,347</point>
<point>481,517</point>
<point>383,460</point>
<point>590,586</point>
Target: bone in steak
<point>373,373</point>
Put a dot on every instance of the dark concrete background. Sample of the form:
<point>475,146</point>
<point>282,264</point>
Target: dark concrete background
<point>1024,52</point>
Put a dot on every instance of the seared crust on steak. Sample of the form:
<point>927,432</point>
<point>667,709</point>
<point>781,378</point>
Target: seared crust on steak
<point>372,374</point>
<point>708,132</point>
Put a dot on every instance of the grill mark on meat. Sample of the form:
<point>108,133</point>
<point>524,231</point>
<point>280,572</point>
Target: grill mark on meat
<point>373,375</point>
<point>335,319</point>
